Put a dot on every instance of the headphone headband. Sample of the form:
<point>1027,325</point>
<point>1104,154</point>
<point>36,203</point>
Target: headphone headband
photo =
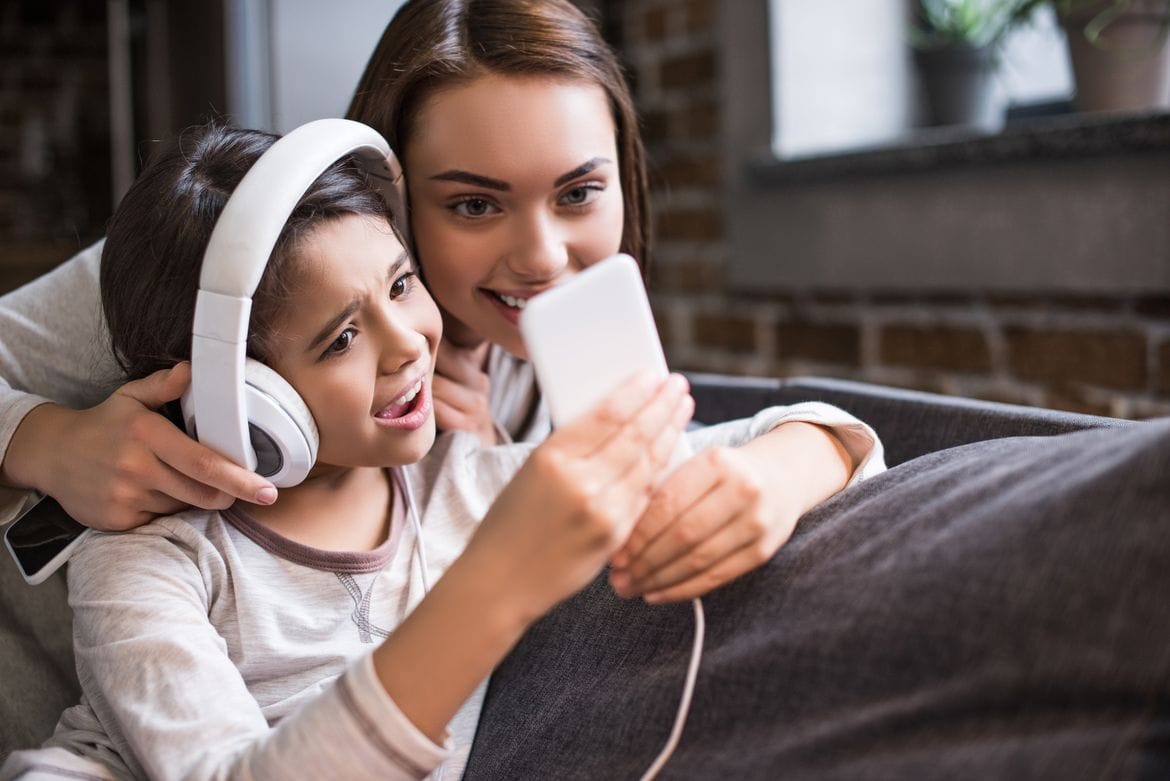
<point>237,253</point>
<point>255,214</point>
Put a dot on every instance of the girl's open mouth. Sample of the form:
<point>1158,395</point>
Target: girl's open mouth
<point>408,411</point>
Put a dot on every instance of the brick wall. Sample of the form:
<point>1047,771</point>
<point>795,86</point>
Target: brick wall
<point>1094,354</point>
<point>1104,355</point>
<point>54,132</point>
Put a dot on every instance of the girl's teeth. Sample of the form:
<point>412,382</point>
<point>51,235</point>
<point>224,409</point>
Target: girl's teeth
<point>408,397</point>
<point>515,303</point>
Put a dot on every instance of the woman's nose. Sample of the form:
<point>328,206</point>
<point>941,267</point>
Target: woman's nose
<point>540,249</point>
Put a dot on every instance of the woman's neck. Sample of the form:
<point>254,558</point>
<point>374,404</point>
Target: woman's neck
<point>334,509</point>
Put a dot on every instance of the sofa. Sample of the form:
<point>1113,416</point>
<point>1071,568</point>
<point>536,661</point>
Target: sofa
<point>35,650</point>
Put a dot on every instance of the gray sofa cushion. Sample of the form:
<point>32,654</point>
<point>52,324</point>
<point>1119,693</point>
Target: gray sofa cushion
<point>37,676</point>
<point>910,423</point>
<point>998,610</point>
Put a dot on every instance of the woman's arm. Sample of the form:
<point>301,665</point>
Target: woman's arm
<point>53,347</point>
<point>728,509</point>
<point>112,464</point>
<point>119,464</point>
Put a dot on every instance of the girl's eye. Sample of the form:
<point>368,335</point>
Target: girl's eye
<point>341,344</point>
<point>582,194</point>
<point>474,208</point>
<point>403,285</point>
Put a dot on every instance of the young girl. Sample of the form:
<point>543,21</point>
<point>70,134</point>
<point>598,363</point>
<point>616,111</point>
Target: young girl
<point>303,638</point>
<point>524,164</point>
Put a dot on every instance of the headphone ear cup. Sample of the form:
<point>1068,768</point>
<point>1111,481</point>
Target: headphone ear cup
<point>283,432</point>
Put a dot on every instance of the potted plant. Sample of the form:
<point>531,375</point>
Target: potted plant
<point>957,50</point>
<point>1118,50</point>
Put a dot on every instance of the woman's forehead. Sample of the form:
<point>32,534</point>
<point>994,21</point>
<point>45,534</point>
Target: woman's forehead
<point>510,125</point>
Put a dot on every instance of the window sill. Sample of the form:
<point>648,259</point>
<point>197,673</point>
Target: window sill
<point>1065,136</point>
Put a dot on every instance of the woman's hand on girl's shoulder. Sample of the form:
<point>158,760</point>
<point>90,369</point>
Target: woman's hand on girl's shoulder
<point>121,464</point>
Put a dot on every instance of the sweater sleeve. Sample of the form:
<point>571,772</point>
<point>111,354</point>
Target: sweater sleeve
<point>160,680</point>
<point>54,346</point>
<point>858,439</point>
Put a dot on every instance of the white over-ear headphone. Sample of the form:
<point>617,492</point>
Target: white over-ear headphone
<point>236,405</point>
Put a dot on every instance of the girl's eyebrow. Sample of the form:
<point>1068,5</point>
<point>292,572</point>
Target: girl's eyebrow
<point>478,180</point>
<point>354,305</point>
<point>333,323</point>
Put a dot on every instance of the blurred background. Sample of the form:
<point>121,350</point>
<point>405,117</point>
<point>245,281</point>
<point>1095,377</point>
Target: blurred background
<point>963,196</point>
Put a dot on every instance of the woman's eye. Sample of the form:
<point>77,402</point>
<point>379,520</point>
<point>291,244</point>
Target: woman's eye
<point>581,195</point>
<point>474,208</point>
<point>342,343</point>
<point>402,285</point>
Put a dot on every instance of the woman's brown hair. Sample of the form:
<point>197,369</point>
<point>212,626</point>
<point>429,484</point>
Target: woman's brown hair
<point>154,247</point>
<point>432,44</point>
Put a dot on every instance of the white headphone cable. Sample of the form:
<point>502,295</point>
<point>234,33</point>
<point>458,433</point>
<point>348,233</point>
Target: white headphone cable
<point>684,705</point>
<point>416,527</point>
<point>420,554</point>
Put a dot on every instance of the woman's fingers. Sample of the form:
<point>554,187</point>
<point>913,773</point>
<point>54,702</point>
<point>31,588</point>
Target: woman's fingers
<point>461,391</point>
<point>708,524</point>
<point>159,469</point>
<point>159,388</point>
<point>738,562</point>
<point>686,486</point>
<point>688,543</point>
<point>213,480</point>
<point>463,365</point>
<point>460,408</point>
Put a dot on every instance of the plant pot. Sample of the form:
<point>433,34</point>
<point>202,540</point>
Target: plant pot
<point>1127,67</point>
<point>961,87</point>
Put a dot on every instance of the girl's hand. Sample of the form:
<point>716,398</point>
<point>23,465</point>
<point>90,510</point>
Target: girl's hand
<point>460,390</point>
<point>575,499</point>
<point>727,511</point>
<point>120,464</point>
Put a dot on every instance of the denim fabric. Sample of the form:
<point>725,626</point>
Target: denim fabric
<point>997,610</point>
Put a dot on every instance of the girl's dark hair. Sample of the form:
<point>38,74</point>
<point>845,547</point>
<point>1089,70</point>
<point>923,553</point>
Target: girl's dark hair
<point>433,44</point>
<point>154,246</point>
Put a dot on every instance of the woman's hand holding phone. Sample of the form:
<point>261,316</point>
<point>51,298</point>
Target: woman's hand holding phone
<point>726,511</point>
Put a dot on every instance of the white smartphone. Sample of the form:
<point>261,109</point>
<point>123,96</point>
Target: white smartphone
<point>42,538</point>
<point>591,334</point>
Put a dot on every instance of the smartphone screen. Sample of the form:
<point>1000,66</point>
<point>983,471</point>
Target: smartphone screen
<point>41,539</point>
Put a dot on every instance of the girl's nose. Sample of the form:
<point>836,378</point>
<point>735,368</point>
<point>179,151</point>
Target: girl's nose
<point>401,345</point>
<point>540,251</point>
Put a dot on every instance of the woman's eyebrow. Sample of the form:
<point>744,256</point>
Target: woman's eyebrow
<point>478,180</point>
<point>466,177</point>
<point>581,170</point>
